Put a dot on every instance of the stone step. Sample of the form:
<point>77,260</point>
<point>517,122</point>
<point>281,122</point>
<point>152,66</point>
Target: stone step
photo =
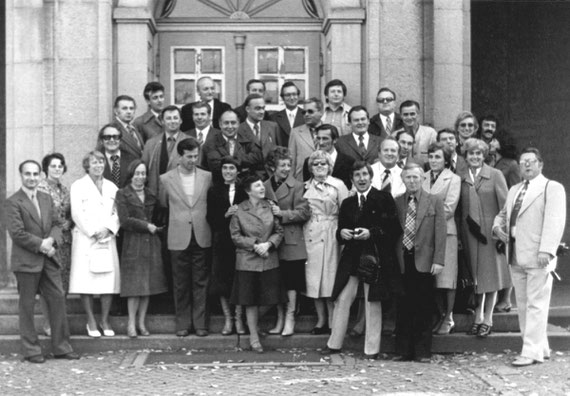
<point>453,343</point>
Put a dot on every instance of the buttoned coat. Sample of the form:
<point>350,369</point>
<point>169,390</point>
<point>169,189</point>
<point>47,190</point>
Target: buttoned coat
<point>347,145</point>
<point>541,221</point>
<point>489,269</point>
<point>92,211</point>
<point>250,226</point>
<point>301,146</point>
<point>282,121</point>
<point>148,125</point>
<point>28,230</point>
<point>151,157</point>
<point>186,217</point>
<point>294,213</point>
<point>431,231</point>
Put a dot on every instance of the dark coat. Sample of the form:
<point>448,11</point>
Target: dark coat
<point>347,146</point>
<point>124,161</point>
<point>217,111</point>
<point>342,169</point>
<point>377,128</point>
<point>242,113</point>
<point>128,143</point>
<point>280,117</point>
<point>142,272</point>
<point>381,218</point>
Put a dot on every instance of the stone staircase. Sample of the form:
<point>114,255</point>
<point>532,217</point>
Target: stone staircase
<point>161,326</point>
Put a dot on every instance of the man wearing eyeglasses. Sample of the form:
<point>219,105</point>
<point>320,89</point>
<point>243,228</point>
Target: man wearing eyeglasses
<point>291,116</point>
<point>302,138</point>
<point>117,159</point>
<point>423,135</point>
<point>387,120</point>
<point>531,224</point>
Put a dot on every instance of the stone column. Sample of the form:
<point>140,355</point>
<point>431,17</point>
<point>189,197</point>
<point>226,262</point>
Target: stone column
<point>342,28</point>
<point>239,41</point>
<point>135,31</point>
<point>451,60</point>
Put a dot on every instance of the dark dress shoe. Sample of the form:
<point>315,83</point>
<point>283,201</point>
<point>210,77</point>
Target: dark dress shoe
<point>201,332</point>
<point>401,358</point>
<point>330,351</point>
<point>35,359</point>
<point>321,330</point>
<point>68,356</point>
<point>182,333</point>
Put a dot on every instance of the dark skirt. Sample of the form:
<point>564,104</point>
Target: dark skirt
<point>223,265</point>
<point>258,288</point>
<point>293,274</point>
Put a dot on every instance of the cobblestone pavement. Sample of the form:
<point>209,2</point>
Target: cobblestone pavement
<point>123,372</point>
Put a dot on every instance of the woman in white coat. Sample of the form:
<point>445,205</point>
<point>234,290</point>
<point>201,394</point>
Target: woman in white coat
<point>94,259</point>
<point>441,181</point>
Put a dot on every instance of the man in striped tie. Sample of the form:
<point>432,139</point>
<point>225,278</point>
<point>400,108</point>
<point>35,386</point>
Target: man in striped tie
<point>420,252</point>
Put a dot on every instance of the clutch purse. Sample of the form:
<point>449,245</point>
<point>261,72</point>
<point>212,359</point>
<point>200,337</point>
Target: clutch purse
<point>101,257</point>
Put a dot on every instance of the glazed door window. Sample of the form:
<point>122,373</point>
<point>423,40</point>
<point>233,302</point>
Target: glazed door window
<point>191,63</point>
<point>277,65</point>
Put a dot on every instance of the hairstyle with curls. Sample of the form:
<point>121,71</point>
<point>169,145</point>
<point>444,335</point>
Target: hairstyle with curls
<point>151,88</point>
<point>319,155</point>
<point>87,159</point>
<point>278,154</point>
<point>46,161</point>
<point>472,144</point>
<point>249,180</point>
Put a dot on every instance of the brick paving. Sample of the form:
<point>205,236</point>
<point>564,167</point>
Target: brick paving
<point>124,372</point>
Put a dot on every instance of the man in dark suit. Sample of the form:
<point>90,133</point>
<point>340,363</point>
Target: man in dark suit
<point>202,116</point>
<point>291,116</point>
<point>387,120</point>
<point>253,86</point>
<point>35,232</point>
<point>326,137</point>
<point>238,144</point>
<point>359,145</point>
<point>149,124</point>
<point>207,92</point>
<point>368,224</point>
<point>183,191</point>
<point>117,160</point>
<point>421,252</point>
<point>449,139</point>
<point>132,141</point>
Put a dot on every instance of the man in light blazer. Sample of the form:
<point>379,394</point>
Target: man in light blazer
<point>421,253</point>
<point>302,138</point>
<point>360,145</point>
<point>34,229</point>
<point>184,191</point>
<point>531,224</point>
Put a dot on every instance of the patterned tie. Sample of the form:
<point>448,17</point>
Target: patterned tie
<point>133,133</point>
<point>362,202</point>
<point>116,170</point>
<point>231,146</point>
<point>388,126</point>
<point>518,204</point>
<point>36,204</point>
<point>256,130</point>
<point>387,181</point>
<point>361,146</point>
<point>200,137</point>
<point>453,166</point>
<point>170,141</point>
<point>410,226</point>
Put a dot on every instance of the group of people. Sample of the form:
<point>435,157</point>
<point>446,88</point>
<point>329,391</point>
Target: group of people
<point>256,208</point>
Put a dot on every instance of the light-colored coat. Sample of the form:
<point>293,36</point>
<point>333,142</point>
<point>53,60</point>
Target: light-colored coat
<point>91,211</point>
<point>250,226</point>
<point>540,224</point>
<point>186,217</point>
<point>429,242</point>
<point>294,213</point>
<point>301,146</point>
<point>151,157</point>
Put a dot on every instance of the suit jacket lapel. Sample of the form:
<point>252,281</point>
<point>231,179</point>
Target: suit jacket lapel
<point>422,208</point>
<point>198,186</point>
<point>484,174</point>
<point>27,202</point>
<point>176,182</point>
<point>533,192</point>
<point>306,136</point>
<point>352,144</point>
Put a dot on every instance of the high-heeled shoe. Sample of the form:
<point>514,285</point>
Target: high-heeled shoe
<point>240,328</point>
<point>474,329</point>
<point>107,332</point>
<point>228,327</point>
<point>132,332</point>
<point>143,331</point>
<point>92,333</point>
<point>256,346</point>
<point>321,330</point>
<point>484,330</point>
<point>447,327</point>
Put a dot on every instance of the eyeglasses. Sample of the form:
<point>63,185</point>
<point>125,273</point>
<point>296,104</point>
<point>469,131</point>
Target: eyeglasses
<point>111,137</point>
<point>528,162</point>
<point>467,125</point>
<point>308,111</point>
<point>384,100</point>
<point>320,163</point>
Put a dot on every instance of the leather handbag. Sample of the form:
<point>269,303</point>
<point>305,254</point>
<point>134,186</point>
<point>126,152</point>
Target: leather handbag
<point>368,270</point>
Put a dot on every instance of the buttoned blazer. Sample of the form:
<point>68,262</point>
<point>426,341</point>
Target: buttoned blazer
<point>342,169</point>
<point>377,128</point>
<point>431,231</point>
<point>217,111</point>
<point>248,228</point>
<point>186,217</point>
<point>348,146</point>
<point>540,221</point>
<point>448,188</point>
<point>148,125</point>
<point>28,230</point>
<point>202,160</point>
<point>295,212</point>
<point>301,146</point>
<point>151,157</point>
<point>128,143</point>
<point>282,121</point>
<point>124,161</point>
<point>268,131</point>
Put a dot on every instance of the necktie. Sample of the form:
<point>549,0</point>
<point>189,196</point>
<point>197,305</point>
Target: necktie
<point>291,119</point>
<point>361,146</point>
<point>170,141</point>
<point>231,146</point>
<point>387,181</point>
<point>116,170</point>
<point>388,126</point>
<point>36,204</point>
<point>433,178</point>
<point>133,133</point>
<point>256,129</point>
<point>200,137</point>
<point>362,201</point>
<point>518,204</point>
<point>410,226</point>
<point>401,164</point>
<point>452,167</point>
<point>312,130</point>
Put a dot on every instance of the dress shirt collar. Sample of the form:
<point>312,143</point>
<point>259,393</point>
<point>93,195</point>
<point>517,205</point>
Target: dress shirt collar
<point>29,192</point>
<point>365,193</point>
<point>365,136</point>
